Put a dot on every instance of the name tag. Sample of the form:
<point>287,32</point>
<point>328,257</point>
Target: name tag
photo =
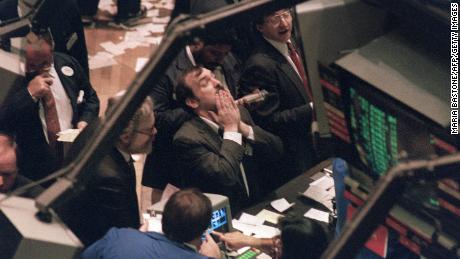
<point>71,41</point>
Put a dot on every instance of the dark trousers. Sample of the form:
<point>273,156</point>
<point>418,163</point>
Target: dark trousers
<point>126,8</point>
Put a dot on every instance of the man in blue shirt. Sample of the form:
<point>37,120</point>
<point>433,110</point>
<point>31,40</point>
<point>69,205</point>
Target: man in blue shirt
<point>186,216</point>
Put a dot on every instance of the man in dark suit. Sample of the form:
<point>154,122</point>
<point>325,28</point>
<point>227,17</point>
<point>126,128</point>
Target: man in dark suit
<point>213,52</point>
<point>23,112</point>
<point>186,216</point>
<point>288,111</point>
<point>230,164</point>
<point>63,19</point>
<point>110,199</point>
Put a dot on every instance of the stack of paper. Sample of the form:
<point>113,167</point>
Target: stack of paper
<point>249,224</point>
<point>322,191</point>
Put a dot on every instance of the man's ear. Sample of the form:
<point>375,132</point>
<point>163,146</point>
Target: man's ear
<point>125,138</point>
<point>259,27</point>
<point>192,103</point>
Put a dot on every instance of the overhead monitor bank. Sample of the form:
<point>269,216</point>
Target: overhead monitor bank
<point>330,29</point>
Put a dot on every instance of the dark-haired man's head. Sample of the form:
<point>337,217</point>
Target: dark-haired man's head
<point>8,165</point>
<point>276,26</point>
<point>186,215</point>
<point>302,238</point>
<point>211,50</point>
<point>196,90</point>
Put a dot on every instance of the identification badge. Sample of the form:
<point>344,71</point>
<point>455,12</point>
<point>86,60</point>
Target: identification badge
<point>67,71</point>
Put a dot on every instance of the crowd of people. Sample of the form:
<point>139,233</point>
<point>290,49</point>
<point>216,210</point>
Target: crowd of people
<point>205,140</point>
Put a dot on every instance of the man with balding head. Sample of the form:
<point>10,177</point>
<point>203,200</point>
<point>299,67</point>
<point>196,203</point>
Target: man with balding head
<point>55,96</point>
<point>10,180</point>
<point>186,216</point>
<point>110,198</point>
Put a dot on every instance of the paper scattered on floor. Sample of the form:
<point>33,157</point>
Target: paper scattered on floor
<point>317,215</point>
<point>281,205</point>
<point>140,63</point>
<point>101,59</point>
<point>113,48</point>
<point>161,19</point>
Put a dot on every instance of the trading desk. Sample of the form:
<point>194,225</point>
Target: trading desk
<point>291,191</point>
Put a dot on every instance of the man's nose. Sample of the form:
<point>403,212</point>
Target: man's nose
<point>283,22</point>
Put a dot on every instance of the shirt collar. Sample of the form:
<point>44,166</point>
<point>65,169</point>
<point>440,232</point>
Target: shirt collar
<point>191,246</point>
<point>188,51</point>
<point>280,46</point>
<point>211,124</point>
<point>125,155</point>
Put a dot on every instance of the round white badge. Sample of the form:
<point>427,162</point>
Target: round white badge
<point>68,71</point>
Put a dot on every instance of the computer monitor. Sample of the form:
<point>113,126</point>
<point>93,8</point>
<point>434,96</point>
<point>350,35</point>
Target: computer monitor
<point>395,97</point>
<point>221,218</point>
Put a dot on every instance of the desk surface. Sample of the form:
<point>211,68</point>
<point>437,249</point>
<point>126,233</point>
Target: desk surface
<point>291,191</point>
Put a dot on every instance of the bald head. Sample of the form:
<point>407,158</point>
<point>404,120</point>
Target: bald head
<point>8,167</point>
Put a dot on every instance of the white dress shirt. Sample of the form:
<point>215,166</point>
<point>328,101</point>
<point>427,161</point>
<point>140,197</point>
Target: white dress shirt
<point>63,105</point>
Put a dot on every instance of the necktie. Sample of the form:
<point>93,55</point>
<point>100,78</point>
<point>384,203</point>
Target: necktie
<point>53,127</point>
<point>294,55</point>
<point>243,173</point>
<point>131,166</point>
<point>51,119</point>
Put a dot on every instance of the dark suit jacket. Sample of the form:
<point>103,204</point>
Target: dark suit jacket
<point>19,115</point>
<point>286,112</point>
<point>158,169</point>
<point>63,19</point>
<point>212,164</point>
<point>110,200</point>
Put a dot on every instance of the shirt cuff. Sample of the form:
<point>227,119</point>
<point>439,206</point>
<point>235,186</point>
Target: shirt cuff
<point>251,134</point>
<point>234,136</point>
<point>31,96</point>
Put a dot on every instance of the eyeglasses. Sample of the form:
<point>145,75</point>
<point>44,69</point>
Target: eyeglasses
<point>275,20</point>
<point>149,132</point>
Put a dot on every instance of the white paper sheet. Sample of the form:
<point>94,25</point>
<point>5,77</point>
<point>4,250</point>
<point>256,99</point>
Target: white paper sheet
<point>281,205</point>
<point>317,215</point>
<point>112,48</point>
<point>269,216</point>
<point>140,63</point>
<point>250,219</point>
